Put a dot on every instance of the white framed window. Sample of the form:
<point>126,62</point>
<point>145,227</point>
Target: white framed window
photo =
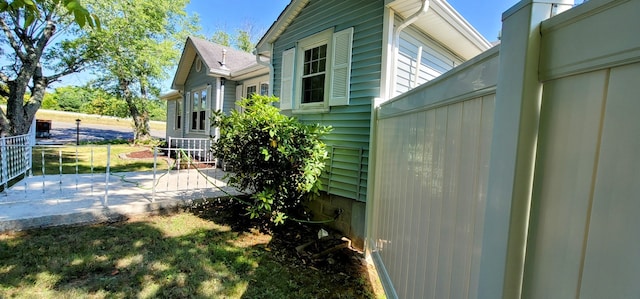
<point>178,123</point>
<point>198,64</point>
<point>316,73</point>
<point>251,90</point>
<point>199,101</point>
<point>264,89</point>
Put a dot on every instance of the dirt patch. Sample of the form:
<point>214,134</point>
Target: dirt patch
<point>345,266</point>
<point>143,154</point>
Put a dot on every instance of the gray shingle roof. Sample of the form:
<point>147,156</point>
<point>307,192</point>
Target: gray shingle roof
<point>211,55</point>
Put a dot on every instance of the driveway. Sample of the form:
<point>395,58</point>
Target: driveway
<point>65,132</point>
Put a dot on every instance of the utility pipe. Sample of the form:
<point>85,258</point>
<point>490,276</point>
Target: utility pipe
<point>396,39</point>
<point>267,64</point>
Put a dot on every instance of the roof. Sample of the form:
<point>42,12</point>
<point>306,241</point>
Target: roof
<point>442,22</point>
<point>236,62</point>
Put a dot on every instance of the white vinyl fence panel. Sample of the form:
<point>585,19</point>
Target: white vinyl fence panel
<point>430,188</point>
<point>586,198</point>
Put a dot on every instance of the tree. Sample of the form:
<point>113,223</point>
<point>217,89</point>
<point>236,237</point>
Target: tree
<point>245,38</point>
<point>243,41</point>
<point>34,58</point>
<point>222,38</point>
<point>136,48</point>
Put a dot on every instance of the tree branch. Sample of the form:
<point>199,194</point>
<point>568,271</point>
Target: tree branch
<point>12,39</point>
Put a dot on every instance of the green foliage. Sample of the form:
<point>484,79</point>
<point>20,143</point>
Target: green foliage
<point>48,102</point>
<point>31,12</point>
<point>273,155</point>
<point>243,41</point>
<point>70,98</point>
<point>222,38</point>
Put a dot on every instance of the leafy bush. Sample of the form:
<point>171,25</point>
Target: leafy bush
<point>274,156</point>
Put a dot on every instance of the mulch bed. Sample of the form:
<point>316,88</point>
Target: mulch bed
<point>328,255</point>
<point>148,154</point>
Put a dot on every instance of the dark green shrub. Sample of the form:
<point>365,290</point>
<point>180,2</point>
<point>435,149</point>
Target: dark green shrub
<point>273,156</point>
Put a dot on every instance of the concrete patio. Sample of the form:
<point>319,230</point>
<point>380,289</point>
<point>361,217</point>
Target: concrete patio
<point>71,199</point>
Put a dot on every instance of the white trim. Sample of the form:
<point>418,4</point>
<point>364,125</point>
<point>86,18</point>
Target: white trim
<point>322,38</point>
<point>186,120</point>
<point>199,89</point>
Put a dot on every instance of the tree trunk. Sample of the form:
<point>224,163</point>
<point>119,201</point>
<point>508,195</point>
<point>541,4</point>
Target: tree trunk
<point>140,118</point>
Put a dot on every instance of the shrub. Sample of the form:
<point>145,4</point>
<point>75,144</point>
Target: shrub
<point>273,156</point>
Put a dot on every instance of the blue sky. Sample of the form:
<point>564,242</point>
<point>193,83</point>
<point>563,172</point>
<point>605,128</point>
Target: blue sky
<point>485,16</point>
<point>229,16</point>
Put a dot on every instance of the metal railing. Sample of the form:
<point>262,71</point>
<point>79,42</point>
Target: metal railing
<point>198,148</point>
<point>15,158</point>
<point>95,171</point>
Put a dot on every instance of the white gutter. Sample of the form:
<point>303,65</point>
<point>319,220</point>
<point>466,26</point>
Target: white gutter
<point>396,40</point>
<point>267,64</point>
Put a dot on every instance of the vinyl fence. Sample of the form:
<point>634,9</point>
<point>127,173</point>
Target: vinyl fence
<point>515,175</point>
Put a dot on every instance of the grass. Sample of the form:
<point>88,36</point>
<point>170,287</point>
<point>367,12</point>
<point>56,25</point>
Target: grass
<point>89,156</point>
<point>56,116</point>
<point>186,255</point>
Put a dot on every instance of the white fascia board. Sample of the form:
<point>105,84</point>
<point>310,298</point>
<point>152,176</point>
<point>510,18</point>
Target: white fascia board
<point>286,17</point>
<point>451,16</point>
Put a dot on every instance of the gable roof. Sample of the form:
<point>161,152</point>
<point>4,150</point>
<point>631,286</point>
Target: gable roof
<point>441,22</point>
<point>236,62</point>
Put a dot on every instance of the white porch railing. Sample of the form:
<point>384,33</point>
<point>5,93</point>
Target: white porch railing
<point>15,157</point>
<point>199,148</point>
<point>59,173</point>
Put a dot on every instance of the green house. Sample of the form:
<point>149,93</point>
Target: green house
<point>209,77</point>
<point>332,61</point>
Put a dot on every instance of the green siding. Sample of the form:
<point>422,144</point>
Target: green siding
<point>229,102</point>
<point>198,79</point>
<point>351,123</point>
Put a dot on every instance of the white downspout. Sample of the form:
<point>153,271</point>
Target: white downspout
<point>396,40</point>
<point>267,64</point>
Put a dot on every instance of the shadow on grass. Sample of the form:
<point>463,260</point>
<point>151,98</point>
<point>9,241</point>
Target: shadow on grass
<point>282,271</point>
<point>212,251</point>
<point>175,257</point>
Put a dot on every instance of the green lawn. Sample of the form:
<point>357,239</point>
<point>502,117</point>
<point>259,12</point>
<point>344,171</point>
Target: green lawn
<point>186,255</point>
<point>88,156</point>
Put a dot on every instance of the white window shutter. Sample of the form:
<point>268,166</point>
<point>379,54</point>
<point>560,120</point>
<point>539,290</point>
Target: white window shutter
<point>186,120</point>
<point>286,83</point>
<point>341,67</point>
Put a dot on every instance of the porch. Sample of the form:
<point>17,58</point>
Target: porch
<point>71,199</point>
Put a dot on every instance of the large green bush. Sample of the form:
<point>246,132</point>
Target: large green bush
<point>275,157</point>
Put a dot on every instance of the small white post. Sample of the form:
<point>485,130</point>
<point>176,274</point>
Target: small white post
<point>155,168</point>
<point>106,176</point>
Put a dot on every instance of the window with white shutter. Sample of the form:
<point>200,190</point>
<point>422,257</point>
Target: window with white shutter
<point>316,74</point>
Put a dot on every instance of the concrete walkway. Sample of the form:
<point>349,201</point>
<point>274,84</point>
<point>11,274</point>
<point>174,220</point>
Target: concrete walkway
<point>71,199</point>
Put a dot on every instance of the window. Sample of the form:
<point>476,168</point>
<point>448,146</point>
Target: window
<point>315,74</point>
<point>198,109</point>
<point>198,64</point>
<point>251,90</point>
<point>264,89</point>
<point>178,123</point>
